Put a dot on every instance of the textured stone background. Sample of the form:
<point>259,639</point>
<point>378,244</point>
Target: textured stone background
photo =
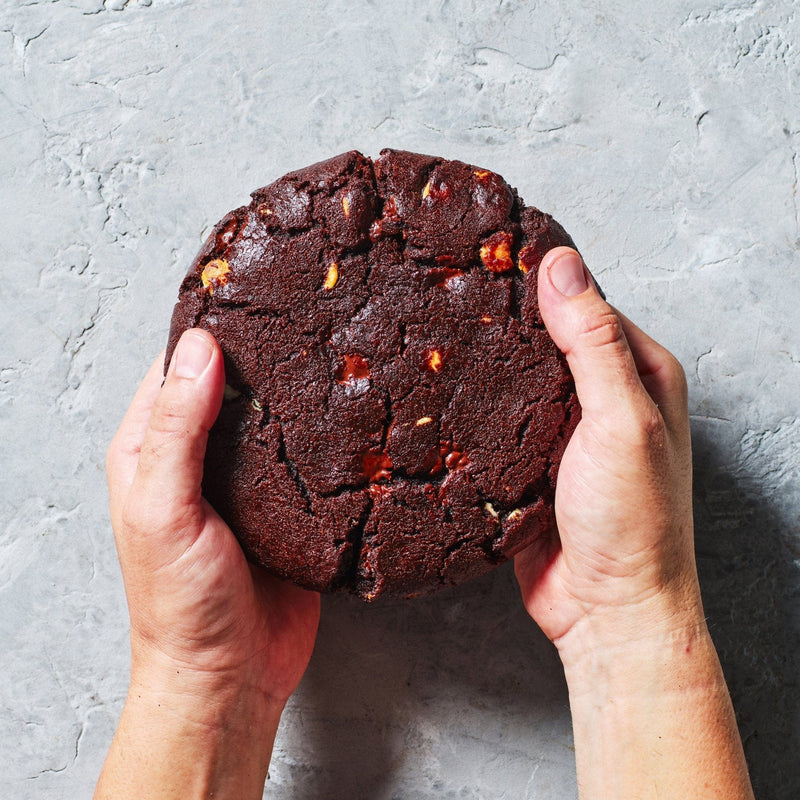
<point>664,136</point>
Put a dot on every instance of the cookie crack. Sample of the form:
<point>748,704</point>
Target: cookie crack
<point>449,552</point>
<point>488,543</point>
<point>517,292</point>
<point>292,468</point>
<point>348,569</point>
<point>524,426</point>
<point>388,419</point>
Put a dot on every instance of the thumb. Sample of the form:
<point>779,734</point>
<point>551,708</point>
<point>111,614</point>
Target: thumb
<point>590,333</point>
<point>170,469</point>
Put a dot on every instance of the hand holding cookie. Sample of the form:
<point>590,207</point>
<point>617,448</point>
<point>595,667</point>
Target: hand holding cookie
<point>217,644</point>
<point>617,588</point>
<point>623,498</point>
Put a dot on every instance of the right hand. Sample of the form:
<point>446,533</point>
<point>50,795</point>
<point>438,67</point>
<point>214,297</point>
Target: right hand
<point>623,560</point>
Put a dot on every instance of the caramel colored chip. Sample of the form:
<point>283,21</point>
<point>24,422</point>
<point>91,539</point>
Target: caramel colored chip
<point>439,190</point>
<point>353,368</point>
<point>215,274</point>
<point>346,206</point>
<point>527,260</point>
<point>377,466</point>
<point>424,421</point>
<point>496,252</point>
<point>434,360</point>
<point>455,458</point>
<point>332,276</point>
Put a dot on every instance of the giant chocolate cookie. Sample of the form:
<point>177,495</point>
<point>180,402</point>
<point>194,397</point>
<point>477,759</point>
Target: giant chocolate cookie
<point>395,411</point>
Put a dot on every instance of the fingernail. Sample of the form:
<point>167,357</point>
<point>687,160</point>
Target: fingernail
<point>569,275</point>
<point>191,355</point>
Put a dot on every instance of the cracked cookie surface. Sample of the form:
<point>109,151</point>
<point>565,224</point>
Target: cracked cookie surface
<point>395,411</point>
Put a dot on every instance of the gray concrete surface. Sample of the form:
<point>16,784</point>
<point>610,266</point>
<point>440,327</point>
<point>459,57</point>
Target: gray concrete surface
<point>664,136</point>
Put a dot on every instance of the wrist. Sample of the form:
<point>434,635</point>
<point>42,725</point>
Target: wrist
<point>185,734</point>
<point>224,708</point>
<point>650,709</point>
<point>615,644</point>
<point>211,698</point>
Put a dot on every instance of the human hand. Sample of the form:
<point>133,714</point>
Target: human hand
<point>216,642</point>
<point>624,557</point>
<point>617,589</point>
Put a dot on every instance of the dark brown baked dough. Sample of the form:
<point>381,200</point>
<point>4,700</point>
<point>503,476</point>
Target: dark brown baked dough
<point>395,412</point>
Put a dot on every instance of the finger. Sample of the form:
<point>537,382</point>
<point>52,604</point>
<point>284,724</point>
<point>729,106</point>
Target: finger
<point>123,452</point>
<point>661,374</point>
<point>170,468</point>
<point>591,335</point>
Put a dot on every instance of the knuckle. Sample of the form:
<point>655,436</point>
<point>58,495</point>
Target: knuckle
<point>162,444</point>
<point>148,527</point>
<point>675,376</point>
<point>646,430</point>
<point>133,516</point>
<point>169,416</point>
<point>601,330</point>
<point>142,513</point>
